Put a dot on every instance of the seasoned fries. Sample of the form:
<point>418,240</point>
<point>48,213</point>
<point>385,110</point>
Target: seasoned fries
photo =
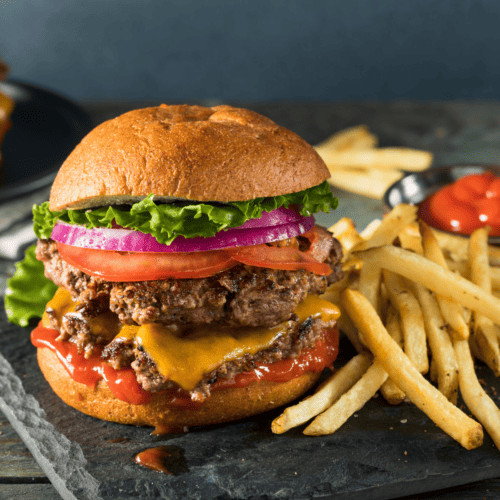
<point>412,320</point>
<point>449,304</point>
<point>372,183</point>
<point>344,322</point>
<point>443,354</point>
<point>433,276</point>
<point>370,279</point>
<point>485,335</point>
<point>349,403</point>
<point>387,352</point>
<point>452,312</point>
<point>363,168</point>
<point>351,138</point>
<point>481,406</point>
<point>389,390</point>
<point>345,231</point>
<point>388,230</point>
<point>338,383</point>
<point>382,158</point>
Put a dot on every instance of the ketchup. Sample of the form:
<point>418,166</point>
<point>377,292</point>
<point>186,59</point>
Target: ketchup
<point>315,359</point>
<point>168,459</point>
<point>468,204</point>
<point>123,383</point>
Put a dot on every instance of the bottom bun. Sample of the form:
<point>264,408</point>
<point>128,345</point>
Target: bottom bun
<point>222,406</point>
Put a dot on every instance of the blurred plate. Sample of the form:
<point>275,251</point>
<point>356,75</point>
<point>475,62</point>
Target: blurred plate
<point>45,129</point>
<point>416,187</point>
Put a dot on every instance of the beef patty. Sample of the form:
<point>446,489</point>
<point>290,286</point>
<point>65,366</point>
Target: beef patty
<point>240,296</point>
<point>121,353</point>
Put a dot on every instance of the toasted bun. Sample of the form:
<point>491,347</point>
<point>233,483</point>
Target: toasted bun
<point>222,406</point>
<point>185,152</point>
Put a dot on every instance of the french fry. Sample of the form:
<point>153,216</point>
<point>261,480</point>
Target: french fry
<point>433,371</point>
<point>474,349</point>
<point>412,320</point>
<point>458,247</point>
<point>415,274</point>
<point>345,231</point>
<point>411,240</point>
<point>381,158</point>
<point>436,278</point>
<point>484,330</point>
<point>349,403</point>
<point>476,399</point>
<point>372,183</point>
<point>467,316</point>
<point>452,312</point>
<point>392,224</point>
<point>352,264</point>
<point>368,231</point>
<point>358,137</point>
<point>384,300</point>
<point>443,354</point>
<point>461,267</point>
<point>342,226</point>
<point>332,294</point>
<point>495,276</point>
<point>331,390</point>
<point>370,278</point>
<point>389,390</point>
<point>424,395</point>
<point>478,259</point>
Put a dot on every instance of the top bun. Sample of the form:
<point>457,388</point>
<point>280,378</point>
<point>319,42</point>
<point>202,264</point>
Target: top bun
<point>185,152</point>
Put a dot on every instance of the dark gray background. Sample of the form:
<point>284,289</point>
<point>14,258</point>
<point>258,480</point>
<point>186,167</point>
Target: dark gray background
<point>185,50</point>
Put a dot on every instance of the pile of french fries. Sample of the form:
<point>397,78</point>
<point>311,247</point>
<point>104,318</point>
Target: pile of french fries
<point>358,165</point>
<point>414,301</point>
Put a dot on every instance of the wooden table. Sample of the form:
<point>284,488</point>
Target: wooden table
<point>458,132</point>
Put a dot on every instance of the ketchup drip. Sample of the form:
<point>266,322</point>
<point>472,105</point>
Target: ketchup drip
<point>166,459</point>
<point>123,383</point>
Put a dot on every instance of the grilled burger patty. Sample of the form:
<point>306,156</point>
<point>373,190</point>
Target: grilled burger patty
<point>241,296</point>
<point>122,353</point>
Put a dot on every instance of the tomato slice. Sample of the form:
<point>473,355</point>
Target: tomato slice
<point>145,266</point>
<point>272,257</point>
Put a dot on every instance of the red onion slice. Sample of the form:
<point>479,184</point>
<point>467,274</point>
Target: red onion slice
<point>276,217</point>
<point>126,240</point>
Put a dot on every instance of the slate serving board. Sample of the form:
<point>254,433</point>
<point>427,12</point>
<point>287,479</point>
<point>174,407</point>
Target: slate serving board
<point>365,459</point>
<point>383,452</point>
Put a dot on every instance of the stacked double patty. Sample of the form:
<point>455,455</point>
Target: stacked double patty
<point>242,296</point>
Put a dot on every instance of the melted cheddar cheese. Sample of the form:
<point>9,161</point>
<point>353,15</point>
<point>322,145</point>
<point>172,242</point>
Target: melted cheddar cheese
<point>184,355</point>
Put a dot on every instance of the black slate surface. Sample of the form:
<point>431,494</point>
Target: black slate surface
<point>382,452</point>
<point>364,459</point>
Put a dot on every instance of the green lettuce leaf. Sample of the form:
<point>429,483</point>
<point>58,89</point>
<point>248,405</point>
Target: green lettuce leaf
<point>28,291</point>
<point>168,221</point>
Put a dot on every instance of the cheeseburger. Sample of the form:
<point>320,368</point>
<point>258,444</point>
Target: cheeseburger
<point>185,269</point>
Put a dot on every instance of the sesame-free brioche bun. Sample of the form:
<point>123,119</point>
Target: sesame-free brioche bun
<point>185,152</point>
<point>222,406</point>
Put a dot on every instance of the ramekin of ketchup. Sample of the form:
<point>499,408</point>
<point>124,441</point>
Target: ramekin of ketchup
<point>469,203</point>
<point>457,198</point>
